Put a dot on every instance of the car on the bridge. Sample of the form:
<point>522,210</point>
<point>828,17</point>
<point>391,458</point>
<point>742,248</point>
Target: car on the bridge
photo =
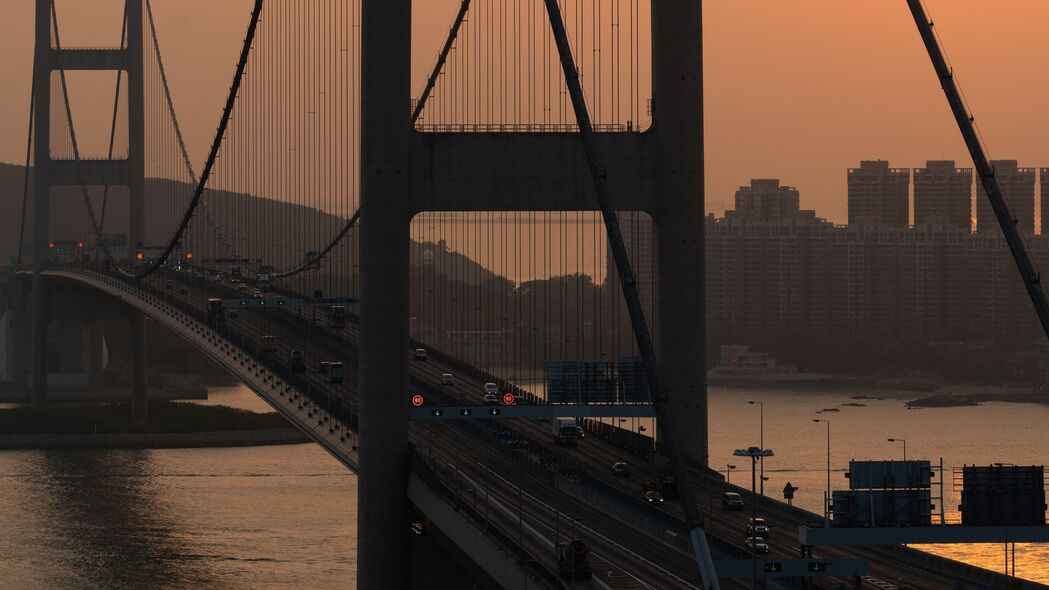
<point>297,361</point>
<point>758,544</point>
<point>757,527</point>
<point>501,433</point>
<point>447,379</point>
<point>731,501</point>
<point>491,399</point>
<point>232,314</point>
<point>269,344</point>
<point>620,469</point>
<point>420,354</point>
<point>183,291</point>
<point>653,497</point>
<point>323,368</point>
<point>490,388</point>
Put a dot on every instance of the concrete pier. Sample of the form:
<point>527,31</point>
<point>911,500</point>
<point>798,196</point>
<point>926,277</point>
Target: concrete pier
<point>139,359</point>
<point>382,514</point>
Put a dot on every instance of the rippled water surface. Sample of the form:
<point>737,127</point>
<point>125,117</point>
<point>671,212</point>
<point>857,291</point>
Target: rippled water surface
<point>263,517</point>
<point>270,517</point>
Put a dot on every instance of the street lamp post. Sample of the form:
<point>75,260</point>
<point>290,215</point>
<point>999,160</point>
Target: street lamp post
<point>761,441</point>
<point>826,500</point>
<point>728,472</point>
<point>755,454</point>
<point>901,440</point>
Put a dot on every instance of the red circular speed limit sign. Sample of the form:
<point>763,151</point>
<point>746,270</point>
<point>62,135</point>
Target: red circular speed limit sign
<point>508,399</point>
<point>418,400</point>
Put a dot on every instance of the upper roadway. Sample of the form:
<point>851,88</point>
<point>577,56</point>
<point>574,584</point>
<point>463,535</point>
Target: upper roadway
<point>631,556</point>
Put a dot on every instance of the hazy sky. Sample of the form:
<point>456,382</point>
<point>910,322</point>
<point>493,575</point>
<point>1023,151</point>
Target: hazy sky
<point>796,89</point>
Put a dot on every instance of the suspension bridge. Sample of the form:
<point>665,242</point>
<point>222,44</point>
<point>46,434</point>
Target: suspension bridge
<point>363,238</point>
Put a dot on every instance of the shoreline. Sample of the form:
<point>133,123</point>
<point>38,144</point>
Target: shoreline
<point>149,440</point>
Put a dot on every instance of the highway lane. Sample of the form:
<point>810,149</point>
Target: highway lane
<point>252,325</point>
<point>596,456</point>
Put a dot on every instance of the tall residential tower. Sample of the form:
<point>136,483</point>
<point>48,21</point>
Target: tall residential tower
<point>943,195</point>
<point>878,195</point>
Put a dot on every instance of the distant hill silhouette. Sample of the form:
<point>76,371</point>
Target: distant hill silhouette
<point>300,228</point>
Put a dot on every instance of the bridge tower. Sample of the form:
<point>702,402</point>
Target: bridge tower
<point>52,172</point>
<point>405,172</point>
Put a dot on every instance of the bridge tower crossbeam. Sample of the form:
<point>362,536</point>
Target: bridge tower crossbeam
<point>52,172</point>
<point>405,172</point>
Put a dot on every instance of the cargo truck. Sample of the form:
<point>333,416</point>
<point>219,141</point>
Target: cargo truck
<point>566,431</point>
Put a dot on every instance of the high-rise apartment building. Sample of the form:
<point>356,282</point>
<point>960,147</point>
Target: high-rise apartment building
<point>1017,186</point>
<point>788,275</point>
<point>878,195</point>
<point>943,195</point>
<point>766,200</point>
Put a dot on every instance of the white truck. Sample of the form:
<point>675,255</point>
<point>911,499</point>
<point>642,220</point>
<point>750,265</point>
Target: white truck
<point>566,431</point>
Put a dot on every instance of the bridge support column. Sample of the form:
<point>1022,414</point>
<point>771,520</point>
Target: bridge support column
<point>41,200</point>
<point>382,514</point>
<point>70,345</point>
<point>96,352</point>
<point>136,128</point>
<point>677,89</point>
<point>139,332</point>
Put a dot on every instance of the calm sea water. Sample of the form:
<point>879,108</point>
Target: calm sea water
<point>269,517</point>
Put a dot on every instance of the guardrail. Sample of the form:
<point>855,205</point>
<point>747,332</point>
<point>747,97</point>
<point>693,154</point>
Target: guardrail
<point>449,488</point>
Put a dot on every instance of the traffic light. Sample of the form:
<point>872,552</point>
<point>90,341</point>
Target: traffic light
<point>466,412</point>
<point>818,567</point>
<point>773,567</point>
<point>494,411</point>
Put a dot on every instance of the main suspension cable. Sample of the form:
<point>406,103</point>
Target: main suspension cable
<point>213,154</point>
<point>628,282</point>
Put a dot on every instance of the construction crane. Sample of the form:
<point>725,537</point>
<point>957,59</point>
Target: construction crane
<point>1028,271</point>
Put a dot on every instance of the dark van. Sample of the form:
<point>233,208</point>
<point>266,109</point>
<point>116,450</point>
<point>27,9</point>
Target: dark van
<point>731,501</point>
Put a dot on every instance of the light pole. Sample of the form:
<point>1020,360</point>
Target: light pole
<point>755,454</point>
<point>901,440</point>
<point>728,472</point>
<point>761,440</point>
<point>826,500</point>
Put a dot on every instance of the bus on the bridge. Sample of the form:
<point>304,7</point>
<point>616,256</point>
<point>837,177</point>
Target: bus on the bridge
<point>214,310</point>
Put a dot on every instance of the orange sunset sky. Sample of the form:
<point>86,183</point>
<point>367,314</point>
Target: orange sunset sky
<point>796,89</point>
